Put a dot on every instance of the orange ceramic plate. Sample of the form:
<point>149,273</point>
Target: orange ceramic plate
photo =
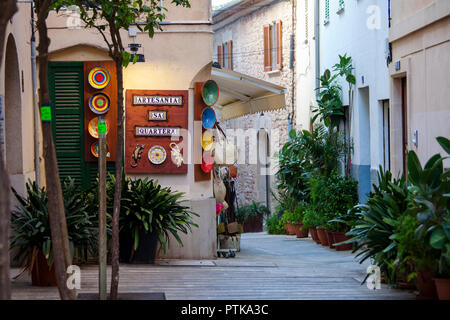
<point>93,127</point>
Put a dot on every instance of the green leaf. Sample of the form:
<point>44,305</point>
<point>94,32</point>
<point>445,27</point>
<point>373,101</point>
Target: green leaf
<point>445,143</point>
<point>414,168</point>
<point>438,238</point>
<point>351,79</point>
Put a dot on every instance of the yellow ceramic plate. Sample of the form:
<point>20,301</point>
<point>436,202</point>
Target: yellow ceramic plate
<point>99,78</point>
<point>207,140</point>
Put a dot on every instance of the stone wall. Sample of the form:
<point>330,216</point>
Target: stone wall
<point>247,35</point>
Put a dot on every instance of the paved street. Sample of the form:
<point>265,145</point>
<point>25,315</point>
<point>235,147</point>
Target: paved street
<point>268,267</point>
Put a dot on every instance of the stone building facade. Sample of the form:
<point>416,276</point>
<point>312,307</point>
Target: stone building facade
<point>244,25</point>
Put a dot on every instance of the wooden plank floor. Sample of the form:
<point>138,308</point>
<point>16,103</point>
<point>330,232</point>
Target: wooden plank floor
<point>268,267</point>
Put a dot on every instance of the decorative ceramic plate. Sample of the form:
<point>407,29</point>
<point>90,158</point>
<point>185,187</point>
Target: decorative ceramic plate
<point>208,118</point>
<point>94,150</point>
<point>207,140</point>
<point>93,127</point>
<point>157,154</point>
<point>98,78</point>
<point>99,103</point>
<point>207,162</point>
<point>210,92</point>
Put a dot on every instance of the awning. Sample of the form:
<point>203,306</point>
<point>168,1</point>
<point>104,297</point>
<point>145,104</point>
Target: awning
<point>240,94</point>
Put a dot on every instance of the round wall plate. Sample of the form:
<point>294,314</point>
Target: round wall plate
<point>93,127</point>
<point>99,103</point>
<point>157,154</point>
<point>208,118</point>
<point>98,78</point>
<point>207,140</point>
<point>94,150</point>
<point>207,162</point>
<point>210,92</point>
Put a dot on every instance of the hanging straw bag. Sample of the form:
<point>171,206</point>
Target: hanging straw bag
<point>219,189</point>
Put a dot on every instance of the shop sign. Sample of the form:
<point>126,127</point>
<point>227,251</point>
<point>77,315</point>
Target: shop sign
<point>156,122</point>
<point>157,100</point>
<point>157,132</point>
<point>157,115</point>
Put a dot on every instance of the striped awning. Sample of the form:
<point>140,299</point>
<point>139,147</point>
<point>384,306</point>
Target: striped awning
<point>240,94</point>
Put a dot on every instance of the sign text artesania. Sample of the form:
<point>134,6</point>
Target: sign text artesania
<point>157,131</point>
<point>157,100</point>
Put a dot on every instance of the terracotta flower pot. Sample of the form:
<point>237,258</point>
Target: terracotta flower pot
<point>442,288</point>
<point>43,275</point>
<point>314,235</point>
<point>290,229</point>
<point>300,232</point>
<point>341,237</point>
<point>330,238</point>
<point>426,286</point>
<point>322,236</point>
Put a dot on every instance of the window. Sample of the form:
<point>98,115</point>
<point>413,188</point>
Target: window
<point>225,55</point>
<point>327,12</point>
<point>341,6</point>
<point>273,46</point>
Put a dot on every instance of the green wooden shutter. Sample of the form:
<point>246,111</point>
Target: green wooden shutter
<point>327,11</point>
<point>66,93</point>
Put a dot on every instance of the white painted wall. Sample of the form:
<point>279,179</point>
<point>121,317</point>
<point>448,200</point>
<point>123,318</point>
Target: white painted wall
<point>361,31</point>
<point>305,62</point>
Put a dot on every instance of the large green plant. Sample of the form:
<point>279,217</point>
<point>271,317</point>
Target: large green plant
<point>378,220</point>
<point>430,193</point>
<point>31,226</point>
<point>330,106</point>
<point>153,209</point>
<point>332,197</point>
<point>252,210</point>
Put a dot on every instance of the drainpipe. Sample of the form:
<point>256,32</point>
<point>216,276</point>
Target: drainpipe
<point>291,116</point>
<point>317,43</point>
<point>35,109</point>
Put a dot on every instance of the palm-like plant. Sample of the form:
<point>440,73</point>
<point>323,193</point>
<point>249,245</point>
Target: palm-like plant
<point>31,226</point>
<point>151,208</point>
<point>378,220</point>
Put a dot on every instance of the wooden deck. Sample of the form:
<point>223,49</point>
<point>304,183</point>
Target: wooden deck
<point>268,267</point>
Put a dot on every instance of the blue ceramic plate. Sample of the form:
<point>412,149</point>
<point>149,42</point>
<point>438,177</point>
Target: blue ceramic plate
<point>208,118</point>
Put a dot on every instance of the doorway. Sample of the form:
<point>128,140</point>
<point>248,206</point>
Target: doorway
<point>405,126</point>
<point>13,111</point>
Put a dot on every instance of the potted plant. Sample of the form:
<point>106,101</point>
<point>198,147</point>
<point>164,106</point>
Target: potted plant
<point>310,221</point>
<point>149,214</point>
<point>430,202</point>
<point>297,217</point>
<point>287,219</point>
<point>252,216</point>
<point>31,241</point>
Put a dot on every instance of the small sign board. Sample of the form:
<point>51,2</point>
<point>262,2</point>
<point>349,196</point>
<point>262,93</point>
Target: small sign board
<point>157,115</point>
<point>157,132</point>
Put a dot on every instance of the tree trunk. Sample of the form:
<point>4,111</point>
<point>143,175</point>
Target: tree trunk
<point>60,241</point>
<point>118,186</point>
<point>7,10</point>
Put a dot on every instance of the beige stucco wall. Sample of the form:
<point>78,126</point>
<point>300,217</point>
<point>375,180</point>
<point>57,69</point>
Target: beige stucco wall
<point>20,143</point>
<point>247,34</point>
<point>175,58</point>
<point>165,67</point>
<point>423,51</point>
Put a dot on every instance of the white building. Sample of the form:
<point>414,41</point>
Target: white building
<point>360,30</point>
